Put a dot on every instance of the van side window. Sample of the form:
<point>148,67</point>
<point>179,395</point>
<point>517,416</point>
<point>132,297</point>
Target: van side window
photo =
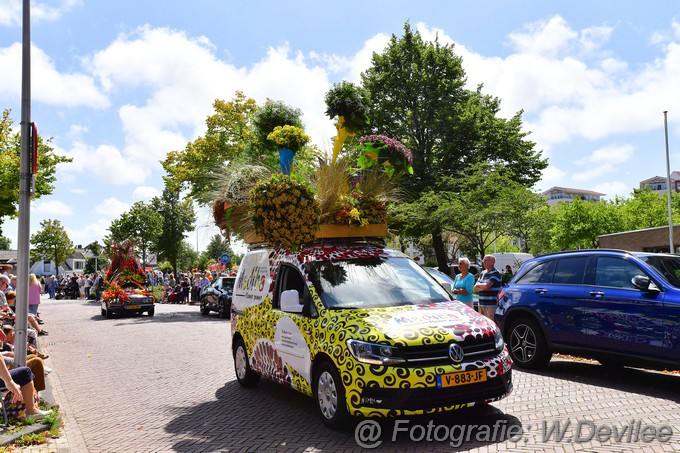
<point>288,277</point>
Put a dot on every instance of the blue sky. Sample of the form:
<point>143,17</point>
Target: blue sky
<point>118,84</point>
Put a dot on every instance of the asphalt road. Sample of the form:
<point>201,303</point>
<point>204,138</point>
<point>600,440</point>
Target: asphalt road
<point>167,383</point>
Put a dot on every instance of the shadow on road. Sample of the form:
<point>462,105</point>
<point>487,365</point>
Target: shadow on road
<point>632,380</point>
<point>271,417</point>
<point>159,317</point>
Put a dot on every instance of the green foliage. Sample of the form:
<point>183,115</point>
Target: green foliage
<point>178,218</point>
<point>217,246</point>
<point>417,92</point>
<point>645,209</point>
<point>142,224</point>
<point>275,114</point>
<point>5,243</point>
<point>352,103</point>
<point>578,225</point>
<point>51,242</point>
<point>10,152</point>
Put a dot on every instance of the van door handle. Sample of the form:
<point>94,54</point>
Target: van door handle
<point>597,294</point>
<point>541,290</point>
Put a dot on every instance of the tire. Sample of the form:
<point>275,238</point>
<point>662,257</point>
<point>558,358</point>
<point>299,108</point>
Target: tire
<point>151,311</point>
<point>244,374</point>
<point>527,345</point>
<point>108,314</point>
<point>205,311</point>
<point>103,312</point>
<point>329,395</point>
<point>224,309</point>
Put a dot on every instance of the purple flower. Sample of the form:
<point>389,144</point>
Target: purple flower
<point>392,145</point>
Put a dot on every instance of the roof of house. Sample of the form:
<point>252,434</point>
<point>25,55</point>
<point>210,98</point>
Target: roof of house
<point>570,190</point>
<point>8,256</point>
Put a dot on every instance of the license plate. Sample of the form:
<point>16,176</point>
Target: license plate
<point>133,307</point>
<point>461,378</point>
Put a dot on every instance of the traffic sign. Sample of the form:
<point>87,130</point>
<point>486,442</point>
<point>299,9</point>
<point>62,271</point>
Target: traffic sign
<point>224,258</point>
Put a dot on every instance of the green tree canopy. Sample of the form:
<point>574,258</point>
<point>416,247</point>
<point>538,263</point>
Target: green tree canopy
<point>142,224</point>
<point>178,218</point>
<point>51,242</point>
<point>417,96</point>
<point>217,246</point>
<point>10,155</point>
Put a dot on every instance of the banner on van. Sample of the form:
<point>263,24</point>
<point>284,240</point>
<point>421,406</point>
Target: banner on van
<point>252,283</point>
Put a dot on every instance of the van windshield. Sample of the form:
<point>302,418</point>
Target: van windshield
<point>374,282</point>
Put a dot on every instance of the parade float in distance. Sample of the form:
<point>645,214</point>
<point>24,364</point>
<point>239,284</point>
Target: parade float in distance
<point>322,305</point>
<point>125,284</point>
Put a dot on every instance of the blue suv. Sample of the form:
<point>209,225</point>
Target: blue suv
<point>620,308</point>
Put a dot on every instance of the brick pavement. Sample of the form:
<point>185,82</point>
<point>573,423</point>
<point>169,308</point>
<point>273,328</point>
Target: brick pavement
<point>167,383</point>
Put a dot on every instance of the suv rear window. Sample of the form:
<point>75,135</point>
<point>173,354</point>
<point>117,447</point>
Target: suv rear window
<point>563,271</point>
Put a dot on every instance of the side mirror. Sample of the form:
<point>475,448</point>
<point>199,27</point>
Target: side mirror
<point>644,283</point>
<point>290,301</point>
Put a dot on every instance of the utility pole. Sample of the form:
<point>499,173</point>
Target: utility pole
<point>671,247</point>
<point>25,176</point>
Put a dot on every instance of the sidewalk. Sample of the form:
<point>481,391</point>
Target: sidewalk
<point>71,439</point>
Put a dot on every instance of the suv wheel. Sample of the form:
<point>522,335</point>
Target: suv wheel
<point>527,345</point>
<point>205,311</point>
<point>244,374</point>
<point>329,394</point>
<point>224,308</point>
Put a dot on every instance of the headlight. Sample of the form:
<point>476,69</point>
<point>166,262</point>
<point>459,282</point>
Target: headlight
<point>498,340</point>
<point>373,353</point>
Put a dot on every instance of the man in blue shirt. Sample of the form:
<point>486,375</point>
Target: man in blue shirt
<point>487,287</point>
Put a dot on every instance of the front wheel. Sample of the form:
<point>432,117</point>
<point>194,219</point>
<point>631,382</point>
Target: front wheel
<point>151,311</point>
<point>224,309</point>
<point>329,394</point>
<point>527,345</point>
<point>244,374</point>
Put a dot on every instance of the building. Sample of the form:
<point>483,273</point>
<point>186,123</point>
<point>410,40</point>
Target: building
<point>659,184</point>
<point>653,240</point>
<point>556,195</point>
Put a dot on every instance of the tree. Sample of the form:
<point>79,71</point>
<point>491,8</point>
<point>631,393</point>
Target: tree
<point>418,96</point>
<point>10,154</point>
<point>178,218</point>
<point>51,243</point>
<point>579,224</point>
<point>217,246</point>
<point>230,135</point>
<point>142,223</point>
<point>5,243</point>
<point>645,209</point>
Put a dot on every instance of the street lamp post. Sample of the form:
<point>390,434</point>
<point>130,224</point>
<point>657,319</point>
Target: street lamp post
<point>671,247</point>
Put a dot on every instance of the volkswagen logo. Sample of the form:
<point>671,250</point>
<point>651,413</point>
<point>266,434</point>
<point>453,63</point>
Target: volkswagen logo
<point>456,352</point>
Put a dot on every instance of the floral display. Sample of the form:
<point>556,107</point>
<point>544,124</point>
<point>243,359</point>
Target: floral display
<point>125,276</point>
<point>114,291</point>
<point>284,211</point>
<point>357,209</point>
<point>350,104</point>
<point>291,137</point>
<point>385,151</point>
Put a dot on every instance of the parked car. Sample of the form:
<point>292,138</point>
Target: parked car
<point>133,303</point>
<point>217,297</point>
<point>618,307</point>
<point>364,330</point>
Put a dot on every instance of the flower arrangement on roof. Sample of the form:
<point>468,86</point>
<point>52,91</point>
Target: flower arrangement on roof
<point>393,155</point>
<point>284,211</point>
<point>273,114</point>
<point>349,103</point>
<point>125,274</point>
<point>291,137</point>
<point>359,210</point>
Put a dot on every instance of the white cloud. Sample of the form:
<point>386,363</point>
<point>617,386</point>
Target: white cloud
<point>104,162</point>
<point>111,208</point>
<point>613,189</point>
<point>90,232</point>
<point>47,208</point>
<point>603,161</point>
<point>145,193</point>
<point>11,11</point>
<point>48,85</point>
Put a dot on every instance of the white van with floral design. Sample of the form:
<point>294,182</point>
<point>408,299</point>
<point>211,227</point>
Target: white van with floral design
<point>364,330</point>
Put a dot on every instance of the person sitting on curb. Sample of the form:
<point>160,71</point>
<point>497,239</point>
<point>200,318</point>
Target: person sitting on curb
<point>8,343</point>
<point>35,363</point>
<point>19,381</point>
<point>7,313</point>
